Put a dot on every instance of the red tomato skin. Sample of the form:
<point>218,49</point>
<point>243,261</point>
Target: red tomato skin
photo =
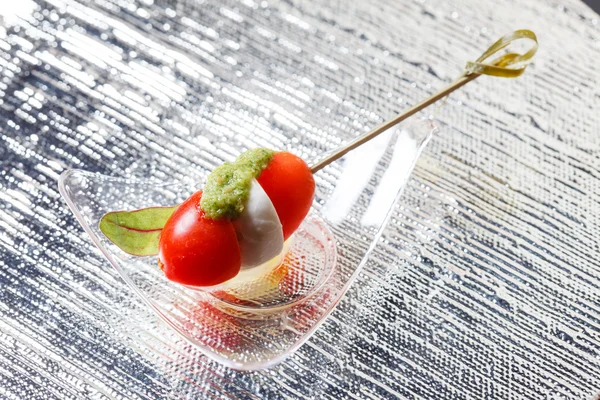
<point>198,251</point>
<point>290,185</point>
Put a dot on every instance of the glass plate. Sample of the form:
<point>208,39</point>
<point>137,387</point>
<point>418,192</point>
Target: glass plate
<point>352,203</point>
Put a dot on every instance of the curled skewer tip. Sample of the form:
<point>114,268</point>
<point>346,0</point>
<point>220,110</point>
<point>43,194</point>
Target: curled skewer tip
<point>508,65</point>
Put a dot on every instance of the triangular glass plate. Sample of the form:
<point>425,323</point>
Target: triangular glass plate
<point>353,201</point>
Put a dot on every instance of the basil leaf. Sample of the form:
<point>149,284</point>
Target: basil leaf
<point>136,232</point>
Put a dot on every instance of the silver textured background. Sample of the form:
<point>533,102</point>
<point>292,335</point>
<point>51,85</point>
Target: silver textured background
<point>486,283</point>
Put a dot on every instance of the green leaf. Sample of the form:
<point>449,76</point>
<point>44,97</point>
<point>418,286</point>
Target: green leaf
<point>136,232</point>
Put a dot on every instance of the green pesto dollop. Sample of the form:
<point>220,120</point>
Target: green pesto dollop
<point>228,186</point>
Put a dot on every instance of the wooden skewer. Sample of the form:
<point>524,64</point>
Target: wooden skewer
<point>463,80</point>
<point>510,65</point>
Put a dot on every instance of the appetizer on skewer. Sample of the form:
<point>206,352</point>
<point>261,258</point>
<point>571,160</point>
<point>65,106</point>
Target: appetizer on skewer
<point>250,207</point>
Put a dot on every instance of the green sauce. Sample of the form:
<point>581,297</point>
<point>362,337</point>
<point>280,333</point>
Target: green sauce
<point>228,186</point>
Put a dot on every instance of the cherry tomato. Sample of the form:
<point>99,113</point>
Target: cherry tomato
<point>290,185</point>
<point>195,250</point>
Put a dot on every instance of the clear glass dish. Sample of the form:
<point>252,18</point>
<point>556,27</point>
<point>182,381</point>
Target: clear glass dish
<point>354,197</point>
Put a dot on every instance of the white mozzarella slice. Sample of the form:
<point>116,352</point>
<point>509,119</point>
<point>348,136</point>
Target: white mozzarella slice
<point>259,230</point>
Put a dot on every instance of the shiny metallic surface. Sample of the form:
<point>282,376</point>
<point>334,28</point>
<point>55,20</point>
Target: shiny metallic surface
<point>485,283</point>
